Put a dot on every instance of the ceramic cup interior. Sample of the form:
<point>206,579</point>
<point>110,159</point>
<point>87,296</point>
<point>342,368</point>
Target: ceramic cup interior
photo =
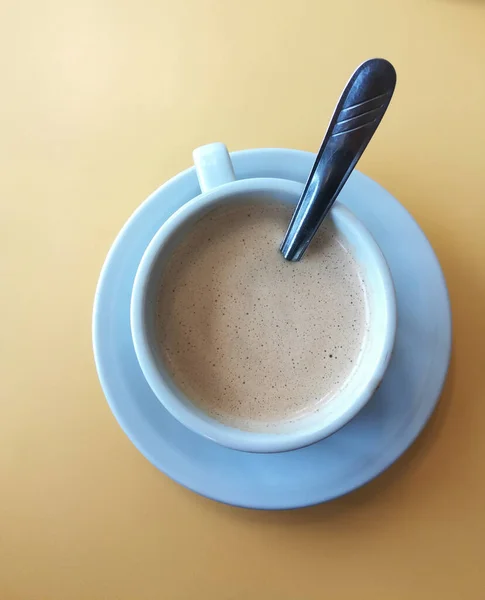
<point>348,400</point>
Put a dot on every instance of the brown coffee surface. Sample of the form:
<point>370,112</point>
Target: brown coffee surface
<point>254,340</point>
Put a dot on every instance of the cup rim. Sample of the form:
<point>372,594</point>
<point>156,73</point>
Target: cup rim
<point>193,418</point>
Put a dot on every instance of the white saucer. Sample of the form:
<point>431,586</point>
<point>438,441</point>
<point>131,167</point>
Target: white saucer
<point>379,434</point>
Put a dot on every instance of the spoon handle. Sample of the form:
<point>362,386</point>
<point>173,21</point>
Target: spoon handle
<point>357,115</point>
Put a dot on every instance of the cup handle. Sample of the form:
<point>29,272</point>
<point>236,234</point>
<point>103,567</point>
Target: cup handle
<point>213,166</point>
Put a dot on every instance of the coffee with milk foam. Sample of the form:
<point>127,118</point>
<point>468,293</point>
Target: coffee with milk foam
<point>253,340</point>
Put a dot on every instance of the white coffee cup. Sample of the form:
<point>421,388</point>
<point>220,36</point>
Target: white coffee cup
<point>219,187</point>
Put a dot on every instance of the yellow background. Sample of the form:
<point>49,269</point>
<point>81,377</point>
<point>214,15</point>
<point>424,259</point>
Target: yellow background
<point>100,102</point>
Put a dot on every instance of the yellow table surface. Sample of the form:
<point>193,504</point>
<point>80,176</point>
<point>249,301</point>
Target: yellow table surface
<point>100,102</point>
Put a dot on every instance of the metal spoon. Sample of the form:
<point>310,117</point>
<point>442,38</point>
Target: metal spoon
<point>355,119</point>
